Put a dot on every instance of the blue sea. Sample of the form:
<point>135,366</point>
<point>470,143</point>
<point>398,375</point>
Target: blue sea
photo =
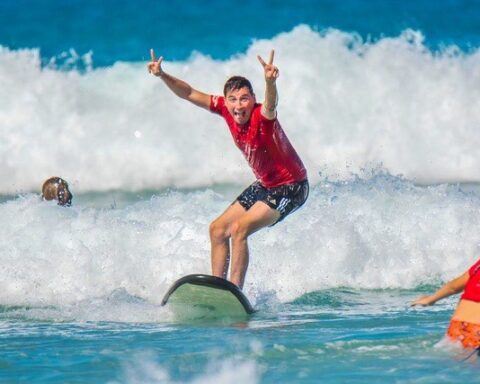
<point>380,98</point>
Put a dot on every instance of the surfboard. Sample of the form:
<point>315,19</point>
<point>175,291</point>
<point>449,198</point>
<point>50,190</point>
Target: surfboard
<point>205,297</point>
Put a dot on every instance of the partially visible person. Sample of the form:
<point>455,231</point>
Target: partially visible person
<point>465,322</point>
<point>56,188</point>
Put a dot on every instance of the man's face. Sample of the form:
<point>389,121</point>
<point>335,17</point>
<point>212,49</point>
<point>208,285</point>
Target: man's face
<point>240,103</point>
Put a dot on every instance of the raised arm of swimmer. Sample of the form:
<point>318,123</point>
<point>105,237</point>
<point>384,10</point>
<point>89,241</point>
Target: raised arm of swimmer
<point>177,86</point>
<point>451,288</point>
<point>269,109</point>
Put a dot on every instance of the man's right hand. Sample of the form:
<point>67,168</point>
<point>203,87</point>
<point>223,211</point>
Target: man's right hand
<point>155,66</point>
<point>177,86</point>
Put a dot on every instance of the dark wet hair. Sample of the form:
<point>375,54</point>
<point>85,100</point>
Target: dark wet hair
<point>56,188</point>
<point>236,82</point>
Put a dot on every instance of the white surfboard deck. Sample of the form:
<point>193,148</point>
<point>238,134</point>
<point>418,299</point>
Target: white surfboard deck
<point>205,297</point>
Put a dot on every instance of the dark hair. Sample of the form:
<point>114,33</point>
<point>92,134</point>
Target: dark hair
<point>56,188</point>
<point>236,82</point>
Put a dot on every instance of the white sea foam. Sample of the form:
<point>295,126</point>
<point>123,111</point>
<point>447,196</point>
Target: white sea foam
<point>374,232</point>
<point>345,103</point>
<point>145,368</point>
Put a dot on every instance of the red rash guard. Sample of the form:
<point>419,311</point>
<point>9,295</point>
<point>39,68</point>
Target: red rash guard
<point>265,146</point>
<point>472,289</point>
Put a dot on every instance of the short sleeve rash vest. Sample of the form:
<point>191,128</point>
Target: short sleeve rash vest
<point>472,289</point>
<point>265,146</point>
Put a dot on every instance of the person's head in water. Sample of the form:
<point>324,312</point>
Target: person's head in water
<point>55,188</point>
<point>239,98</point>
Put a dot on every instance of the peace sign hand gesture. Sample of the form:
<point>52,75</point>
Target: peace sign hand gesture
<point>271,71</point>
<point>155,66</point>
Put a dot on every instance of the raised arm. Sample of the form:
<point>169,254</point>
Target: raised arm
<point>269,109</point>
<point>179,87</point>
<point>452,287</point>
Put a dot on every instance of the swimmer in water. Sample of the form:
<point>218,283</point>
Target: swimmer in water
<point>56,188</point>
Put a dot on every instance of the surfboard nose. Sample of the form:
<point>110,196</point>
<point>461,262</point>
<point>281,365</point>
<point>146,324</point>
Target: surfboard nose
<point>198,296</point>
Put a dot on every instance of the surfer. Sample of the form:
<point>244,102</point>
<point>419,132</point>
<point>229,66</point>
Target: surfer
<point>281,184</point>
<point>465,322</point>
<point>56,188</point>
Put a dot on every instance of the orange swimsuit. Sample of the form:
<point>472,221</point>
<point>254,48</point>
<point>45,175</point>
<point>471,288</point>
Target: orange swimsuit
<point>467,333</point>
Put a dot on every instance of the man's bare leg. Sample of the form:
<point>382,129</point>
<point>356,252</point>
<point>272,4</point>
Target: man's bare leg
<point>257,217</point>
<point>220,238</point>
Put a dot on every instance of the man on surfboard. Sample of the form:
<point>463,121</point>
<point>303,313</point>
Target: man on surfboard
<point>281,186</point>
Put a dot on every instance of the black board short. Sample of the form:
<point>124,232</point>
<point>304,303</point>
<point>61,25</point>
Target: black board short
<point>285,198</point>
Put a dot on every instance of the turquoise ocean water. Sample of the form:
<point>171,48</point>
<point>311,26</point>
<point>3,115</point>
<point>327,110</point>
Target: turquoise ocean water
<point>380,98</point>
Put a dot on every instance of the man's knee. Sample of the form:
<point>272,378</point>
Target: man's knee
<point>218,231</point>
<point>238,231</point>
